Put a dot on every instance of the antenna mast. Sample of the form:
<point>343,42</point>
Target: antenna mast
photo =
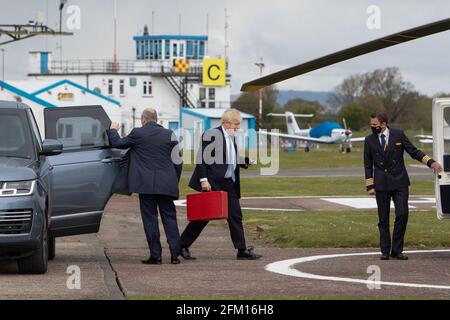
<point>207,32</point>
<point>115,37</point>
<point>153,23</point>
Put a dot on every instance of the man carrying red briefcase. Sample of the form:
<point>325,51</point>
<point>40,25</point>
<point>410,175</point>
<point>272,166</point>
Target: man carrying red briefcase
<point>217,169</point>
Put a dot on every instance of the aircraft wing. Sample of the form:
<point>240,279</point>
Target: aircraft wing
<point>346,54</point>
<point>358,139</point>
<point>424,138</point>
<point>421,136</point>
<point>291,136</point>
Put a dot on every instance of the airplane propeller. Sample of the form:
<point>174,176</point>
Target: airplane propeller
<point>347,131</point>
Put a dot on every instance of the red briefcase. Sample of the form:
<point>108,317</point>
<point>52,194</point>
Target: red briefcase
<point>207,206</point>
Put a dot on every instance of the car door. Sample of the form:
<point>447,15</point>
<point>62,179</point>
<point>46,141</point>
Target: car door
<point>441,152</point>
<point>84,172</point>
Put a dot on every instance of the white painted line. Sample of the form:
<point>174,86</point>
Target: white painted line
<point>361,202</point>
<point>357,203</point>
<point>286,267</point>
<point>424,200</point>
<point>371,203</point>
<point>180,203</point>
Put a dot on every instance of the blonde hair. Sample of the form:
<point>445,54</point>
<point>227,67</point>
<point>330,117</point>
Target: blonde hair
<point>231,116</point>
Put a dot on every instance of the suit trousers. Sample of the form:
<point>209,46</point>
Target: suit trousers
<point>194,228</point>
<point>400,199</point>
<point>149,211</point>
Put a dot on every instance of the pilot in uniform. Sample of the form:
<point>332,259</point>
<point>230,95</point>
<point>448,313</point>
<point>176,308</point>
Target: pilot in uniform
<point>387,178</point>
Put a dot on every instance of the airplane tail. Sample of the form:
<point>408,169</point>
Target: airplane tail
<point>291,122</point>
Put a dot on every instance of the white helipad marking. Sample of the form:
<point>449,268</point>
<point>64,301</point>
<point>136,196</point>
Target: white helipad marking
<point>353,202</point>
<point>180,203</point>
<point>357,203</point>
<point>371,203</point>
<point>286,267</point>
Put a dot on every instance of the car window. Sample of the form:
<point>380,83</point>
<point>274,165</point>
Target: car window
<point>35,129</point>
<point>15,138</point>
<point>78,128</point>
<point>80,133</point>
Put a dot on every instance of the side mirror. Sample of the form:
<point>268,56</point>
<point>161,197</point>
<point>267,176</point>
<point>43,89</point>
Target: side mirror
<point>51,147</point>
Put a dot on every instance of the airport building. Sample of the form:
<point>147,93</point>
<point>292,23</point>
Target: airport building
<point>200,119</point>
<point>52,95</point>
<point>169,72</point>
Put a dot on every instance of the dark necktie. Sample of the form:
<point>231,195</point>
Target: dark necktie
<point>383,142</point>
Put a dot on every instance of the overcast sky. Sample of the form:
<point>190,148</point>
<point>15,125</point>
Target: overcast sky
<point>283,32</point>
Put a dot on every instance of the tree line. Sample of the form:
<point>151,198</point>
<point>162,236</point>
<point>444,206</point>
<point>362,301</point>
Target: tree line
<point>359,95</point>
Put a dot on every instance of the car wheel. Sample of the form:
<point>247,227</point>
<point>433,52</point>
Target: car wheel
<point>37,263</point>
<point>349,150</point>
<point>51,248</point>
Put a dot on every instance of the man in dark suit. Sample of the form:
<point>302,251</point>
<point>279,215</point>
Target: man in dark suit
<point>387,178</point>
<point>218,169</point>
<point>154,175</point>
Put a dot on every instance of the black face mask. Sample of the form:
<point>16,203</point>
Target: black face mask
<point>376,130</point>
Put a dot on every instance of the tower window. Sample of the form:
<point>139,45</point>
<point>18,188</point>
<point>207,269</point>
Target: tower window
<point>122,87</point>
<point>147,88</point>
<point>167,50</point>
<point>189,49</point>
<point>110,86</point>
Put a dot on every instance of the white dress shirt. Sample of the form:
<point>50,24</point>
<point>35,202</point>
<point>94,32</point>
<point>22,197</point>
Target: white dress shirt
<point>230,152</point>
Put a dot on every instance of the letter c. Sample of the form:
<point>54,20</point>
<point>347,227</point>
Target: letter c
<point>209,72</point>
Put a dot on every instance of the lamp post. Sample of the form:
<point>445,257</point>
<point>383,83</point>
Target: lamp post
<point>261,66</point>
<point>62,3</point>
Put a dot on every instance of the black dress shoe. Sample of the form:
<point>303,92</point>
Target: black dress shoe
<point>186,254</point>
<point>399,256</point>
<point>248,254</point>
<point>175,261</point>
<point>152,261</point>
<point>384,257</point>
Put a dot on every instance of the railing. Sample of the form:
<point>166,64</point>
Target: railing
<point>217,104</point>
<point>120,66</point>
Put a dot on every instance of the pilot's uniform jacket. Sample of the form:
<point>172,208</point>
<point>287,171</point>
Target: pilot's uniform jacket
<point>385,169</point>
<point>385,172</point>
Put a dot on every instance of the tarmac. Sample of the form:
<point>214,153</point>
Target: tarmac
<point>110,267</point>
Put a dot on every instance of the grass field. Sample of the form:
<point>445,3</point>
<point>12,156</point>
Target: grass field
<point>272,186</point>
<point>339,229</point>
<point>327,156</point>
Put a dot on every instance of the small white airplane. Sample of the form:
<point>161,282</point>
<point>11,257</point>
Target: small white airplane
<point>424,138</point>
<point>324,132</point>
